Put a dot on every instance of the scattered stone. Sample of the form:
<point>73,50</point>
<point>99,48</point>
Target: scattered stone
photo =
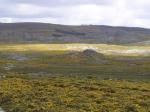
<point>1,110</point>
<point>14,56</point>
<point>9,66</point>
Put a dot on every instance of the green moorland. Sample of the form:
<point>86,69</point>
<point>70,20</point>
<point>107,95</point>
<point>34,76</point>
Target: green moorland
<point>116,50</point>
<point>54,78</point>
<point>19,93</point>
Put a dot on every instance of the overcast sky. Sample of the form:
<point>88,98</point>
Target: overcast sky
<point>134,13</point>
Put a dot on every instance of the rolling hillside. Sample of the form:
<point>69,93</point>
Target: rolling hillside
<point>52,33</point>
<point>57,68</point>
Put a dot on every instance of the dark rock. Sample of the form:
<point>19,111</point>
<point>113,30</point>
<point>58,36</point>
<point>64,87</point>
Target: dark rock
<point>89,52</point>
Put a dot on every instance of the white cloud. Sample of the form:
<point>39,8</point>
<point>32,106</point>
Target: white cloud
<point>6,20</point>
<point>76,12</point>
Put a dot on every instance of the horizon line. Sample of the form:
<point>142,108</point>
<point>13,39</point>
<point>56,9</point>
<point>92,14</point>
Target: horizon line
<point>105,25</point>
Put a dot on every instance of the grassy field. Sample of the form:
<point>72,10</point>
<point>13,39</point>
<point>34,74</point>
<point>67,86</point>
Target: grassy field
<point>101,48</point>
<point>64,78</point>
<point>52,58</point>
<point>43,63</point>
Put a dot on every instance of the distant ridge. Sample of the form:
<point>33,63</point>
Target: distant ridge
<point>54,33</point>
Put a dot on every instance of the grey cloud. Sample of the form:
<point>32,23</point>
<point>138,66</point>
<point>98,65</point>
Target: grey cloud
<point>62,2</point>
<point>48,8</point>
<point>42,14</point>
<point>109,12</point>
<point>29,11</point>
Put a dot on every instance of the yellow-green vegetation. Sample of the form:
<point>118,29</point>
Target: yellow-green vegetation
<point>62,62</point>
<point>30,79</point>
<point>116,50</point>
<point>25,93</point>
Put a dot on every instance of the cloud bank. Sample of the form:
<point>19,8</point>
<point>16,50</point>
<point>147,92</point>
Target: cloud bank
<point>133,13</point>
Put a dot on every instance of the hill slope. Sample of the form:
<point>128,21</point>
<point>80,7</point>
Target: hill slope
<point>51,33</point>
